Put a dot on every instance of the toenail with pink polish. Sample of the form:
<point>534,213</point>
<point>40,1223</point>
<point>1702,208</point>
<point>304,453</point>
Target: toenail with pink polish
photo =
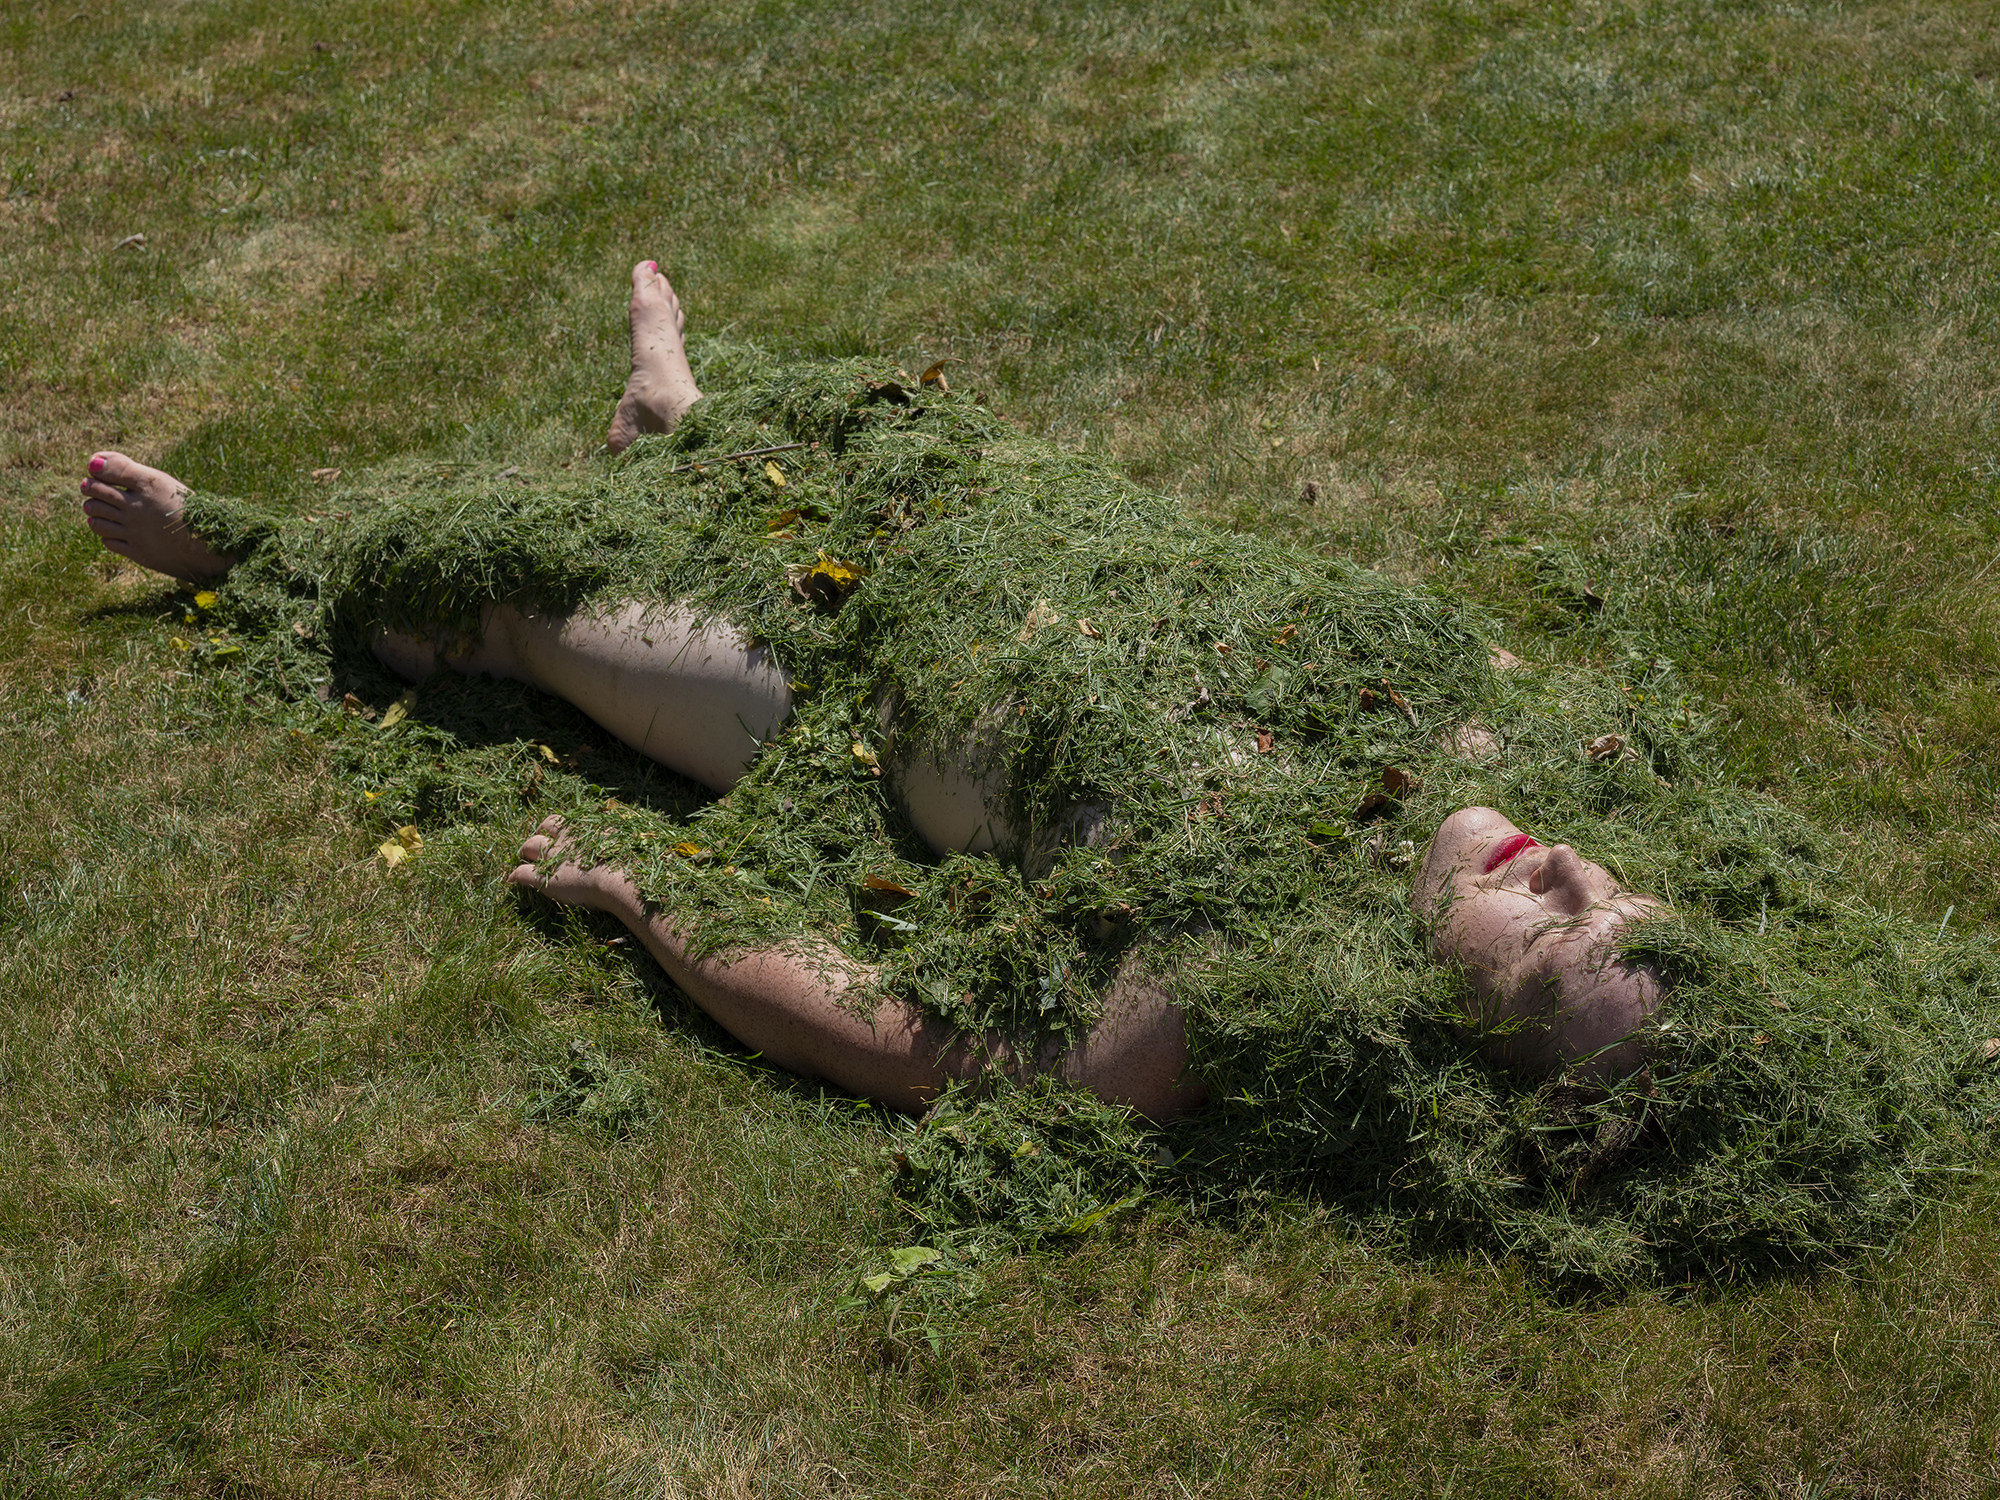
<point>97,464</point>
<point>653,266</point>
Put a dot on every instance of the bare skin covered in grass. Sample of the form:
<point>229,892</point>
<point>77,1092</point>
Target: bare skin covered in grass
<point>816,1012</point>
<point>661,386</point>
<point>136,512</point>
<point>703,697</point>
<point>1536,928</point>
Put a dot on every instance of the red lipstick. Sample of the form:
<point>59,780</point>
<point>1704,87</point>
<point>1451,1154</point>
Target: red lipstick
<point>1508,849</point>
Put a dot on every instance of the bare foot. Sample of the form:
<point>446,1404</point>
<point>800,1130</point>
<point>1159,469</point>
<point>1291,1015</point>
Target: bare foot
<point>661,387</point>
<point>600,887</point>
<point>136,511</point>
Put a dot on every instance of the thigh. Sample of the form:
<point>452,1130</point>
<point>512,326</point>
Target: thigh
<point>697,695</point>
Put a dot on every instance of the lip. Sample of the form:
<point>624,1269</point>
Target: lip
<point>1510,849</point>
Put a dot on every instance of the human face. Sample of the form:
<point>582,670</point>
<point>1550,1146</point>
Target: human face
<point>1536,928</point>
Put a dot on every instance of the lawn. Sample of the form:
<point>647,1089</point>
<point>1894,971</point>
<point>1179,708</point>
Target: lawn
<point>1661,330</point>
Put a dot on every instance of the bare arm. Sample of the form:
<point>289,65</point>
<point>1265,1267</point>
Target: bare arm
<point>796,1007</point>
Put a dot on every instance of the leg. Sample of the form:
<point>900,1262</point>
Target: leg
<point>796,1007</point>
<point>136,512</point>
<point>695,695</point>
<point>661,386</point>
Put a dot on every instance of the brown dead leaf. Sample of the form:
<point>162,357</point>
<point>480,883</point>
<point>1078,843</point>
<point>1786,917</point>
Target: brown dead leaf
<point>1395,783</point>
<point>1604,747</point>
<point>355,706</point>
<point>1402,703</point>
<point>1089,629</point>
<point>1041,615</point>
<point>1264,741</point>
<point>1284,635</point>
<point>1368,700</point>
<point>883,885</point>
<point>325,476</point>
<point>1992,1048</point>
<point>1374,805</point>
<point>935,376</point>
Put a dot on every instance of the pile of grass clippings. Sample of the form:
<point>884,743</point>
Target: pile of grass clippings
<point>1215,750</point>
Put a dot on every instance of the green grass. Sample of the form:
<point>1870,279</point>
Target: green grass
<point>1690,303</point>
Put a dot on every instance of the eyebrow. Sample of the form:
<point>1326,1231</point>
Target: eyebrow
<point>1507,850</point>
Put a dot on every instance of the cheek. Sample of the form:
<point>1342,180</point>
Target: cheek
<point>1487,929</point>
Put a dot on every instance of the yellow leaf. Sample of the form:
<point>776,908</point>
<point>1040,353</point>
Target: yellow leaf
<point>773,473</point>
<point>843,574</point>
<point>371,796</point>
<point>179,644</point>
<point>205,599</point>
<point>863,754</point>
<point>547,754</point>
<point>687,850</point>
<point>935,376</point>
<point>394,854</point>
<point>396,712</point>
<point>412,840</point>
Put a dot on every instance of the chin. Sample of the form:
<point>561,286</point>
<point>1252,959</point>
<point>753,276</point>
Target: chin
<point>1592,1030</point>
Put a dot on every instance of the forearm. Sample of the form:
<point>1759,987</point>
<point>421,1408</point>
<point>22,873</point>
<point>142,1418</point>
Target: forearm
<point>815,1012</point>
<point>812,1010</point>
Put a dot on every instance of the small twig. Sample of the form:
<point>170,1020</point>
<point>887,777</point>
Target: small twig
<point>732,457</point>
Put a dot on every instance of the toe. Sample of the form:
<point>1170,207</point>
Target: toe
<point>524,875</point>
<point>100,498</point>
<point>106,527</point>
<point>110,467</point>
<point>550,826</point>
<point>116,469</point>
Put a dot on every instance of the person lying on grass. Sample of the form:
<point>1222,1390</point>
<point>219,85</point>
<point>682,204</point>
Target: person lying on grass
<point>1012,769</point>
<point>699,696</point>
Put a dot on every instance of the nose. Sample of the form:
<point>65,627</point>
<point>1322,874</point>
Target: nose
<point>1561,878</point>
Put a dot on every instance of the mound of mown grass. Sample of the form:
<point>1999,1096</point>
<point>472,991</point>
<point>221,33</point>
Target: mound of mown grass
<point>1219,758</point>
